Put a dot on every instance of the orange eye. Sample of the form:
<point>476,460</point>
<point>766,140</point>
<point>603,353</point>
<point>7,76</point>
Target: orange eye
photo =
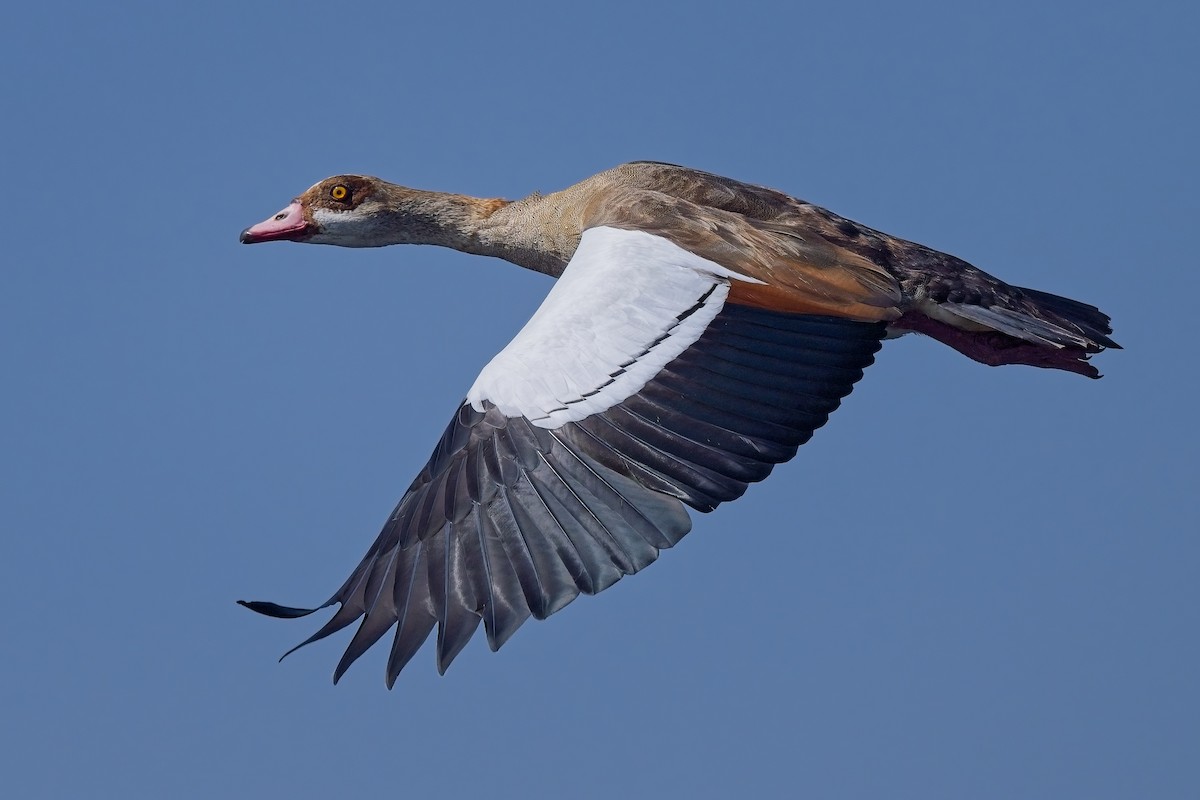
<point>339,192</point>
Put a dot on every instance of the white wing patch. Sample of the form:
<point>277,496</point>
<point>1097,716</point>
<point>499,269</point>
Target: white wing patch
<point>627,304</point>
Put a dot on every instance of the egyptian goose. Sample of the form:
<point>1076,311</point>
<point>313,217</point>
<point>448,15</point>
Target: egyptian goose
<point>701,330</point>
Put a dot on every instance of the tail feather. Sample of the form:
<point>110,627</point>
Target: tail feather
<point>1087,319</point>
<point>1024,326</point>
<point>1020,325</point>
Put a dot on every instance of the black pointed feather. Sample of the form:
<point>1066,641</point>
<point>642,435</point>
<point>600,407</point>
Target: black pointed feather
<point>573,529</point>
<point>510,609</point>
<point>507,528</point>
<point>553,585</point>
<point>380,616</point>
<point>636,522</point>
<point>414,623</point>
<point>461,616</point>
<point>346,614</point>
<point>278,611</point>
<point>435,551</point>
<point>599,553</point>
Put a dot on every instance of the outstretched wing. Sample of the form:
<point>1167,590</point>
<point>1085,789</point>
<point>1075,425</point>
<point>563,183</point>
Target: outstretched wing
<point>637,389</point>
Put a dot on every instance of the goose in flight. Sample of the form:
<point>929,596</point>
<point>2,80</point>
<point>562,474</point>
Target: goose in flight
<point>700,330</point>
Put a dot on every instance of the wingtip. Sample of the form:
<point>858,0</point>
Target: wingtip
<point>292,650</point>
<point>275,610</point>
<point>342,666</point>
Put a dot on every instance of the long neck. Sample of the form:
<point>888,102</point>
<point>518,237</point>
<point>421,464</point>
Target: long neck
<point>517,232</point>
<point>415,216</point>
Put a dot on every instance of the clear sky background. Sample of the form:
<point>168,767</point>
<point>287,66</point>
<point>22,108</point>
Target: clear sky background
<point>974,583</point>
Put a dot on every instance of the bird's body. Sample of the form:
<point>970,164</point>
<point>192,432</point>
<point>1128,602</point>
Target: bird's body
<point>701,330</point>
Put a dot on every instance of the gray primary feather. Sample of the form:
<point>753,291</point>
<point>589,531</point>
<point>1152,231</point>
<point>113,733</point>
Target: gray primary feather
<point>509,520</point>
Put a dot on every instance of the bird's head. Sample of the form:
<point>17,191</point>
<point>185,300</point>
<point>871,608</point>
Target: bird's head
<point>345,210</point>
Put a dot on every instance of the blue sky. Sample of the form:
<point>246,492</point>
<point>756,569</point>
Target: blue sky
<point>973,583</point>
